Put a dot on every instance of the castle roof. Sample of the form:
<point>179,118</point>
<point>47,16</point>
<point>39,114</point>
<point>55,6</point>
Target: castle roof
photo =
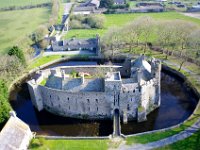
<point>142,64</point>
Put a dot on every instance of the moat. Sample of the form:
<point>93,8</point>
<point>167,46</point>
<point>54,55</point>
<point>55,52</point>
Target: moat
<point>177,104</point>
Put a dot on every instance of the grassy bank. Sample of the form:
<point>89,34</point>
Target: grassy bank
<point>46,59</point>
<point>40,144</point>
<point>122,19</point>
<point>15,25</point>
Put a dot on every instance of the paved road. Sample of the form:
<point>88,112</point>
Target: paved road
<point>49,53</point>
<point>67,8</point>
<point>172,139</point>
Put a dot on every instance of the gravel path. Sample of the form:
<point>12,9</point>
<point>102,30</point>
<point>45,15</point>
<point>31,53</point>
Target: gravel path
<point>172,139</point>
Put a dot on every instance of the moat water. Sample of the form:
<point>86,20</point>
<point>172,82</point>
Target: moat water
<point>177,104</point>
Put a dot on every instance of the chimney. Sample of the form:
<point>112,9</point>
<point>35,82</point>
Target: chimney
<point>13,114</point>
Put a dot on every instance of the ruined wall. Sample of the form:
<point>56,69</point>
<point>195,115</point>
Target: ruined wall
<point>35,94</point>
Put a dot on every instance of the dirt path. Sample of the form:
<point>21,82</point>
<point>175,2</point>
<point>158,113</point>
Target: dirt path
<point>194,14</point>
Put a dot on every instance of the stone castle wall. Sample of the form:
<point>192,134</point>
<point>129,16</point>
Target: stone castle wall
<point>127,97</point>
<point>90,105</point>
<point>80,105</point>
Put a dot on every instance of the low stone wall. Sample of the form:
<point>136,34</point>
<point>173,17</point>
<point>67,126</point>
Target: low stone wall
<point>74,138</point>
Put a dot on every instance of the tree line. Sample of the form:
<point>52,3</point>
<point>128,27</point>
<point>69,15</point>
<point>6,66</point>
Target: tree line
<point>19,56</point>
<point>171,37</point>
<point>10,8</point>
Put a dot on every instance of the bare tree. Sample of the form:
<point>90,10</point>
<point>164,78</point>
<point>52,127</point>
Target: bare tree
<point>166,35</point>
<point>112,40</point>
<point>183,30</point>
<point>194,42</point>
<point>147,28</point>
<point>129,35</point>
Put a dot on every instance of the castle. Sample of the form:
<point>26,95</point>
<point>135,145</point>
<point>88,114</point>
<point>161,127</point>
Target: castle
<point>76,91</point>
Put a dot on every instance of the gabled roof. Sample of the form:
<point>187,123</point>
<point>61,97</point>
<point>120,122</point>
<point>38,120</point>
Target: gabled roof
<point>144,67</point>
<point>89,2</point>
<point>80,8</point>
<point>119,1</point>
<point>15,135</point>
<point>142,64</point>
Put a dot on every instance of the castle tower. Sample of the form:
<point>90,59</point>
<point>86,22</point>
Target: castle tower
<point>156,73</point>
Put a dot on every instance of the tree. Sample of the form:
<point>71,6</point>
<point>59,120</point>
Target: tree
<point>4,105</point>
<point>194,42</point>
<point>147,28</point>
<point>16,51</point>
<point>183,30</point>
<point>130,35</point>
<point>96,21</point>
<point>137,25</point>
<point>39,34</point>
<point>106,3</point>
<point>112,40</point>
<point>166,35</point>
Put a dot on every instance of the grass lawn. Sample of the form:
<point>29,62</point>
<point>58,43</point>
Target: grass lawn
<point>69,144</point>
<point>122,19</point>
<point>8,3</point>
<point>15,25</point>
<point>43,82</point>
<point>46,59</point>
<point>43,60</point>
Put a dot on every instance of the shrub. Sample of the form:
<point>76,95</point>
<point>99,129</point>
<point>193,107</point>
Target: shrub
<point>75,24</point>
<point>106,3</point>
<point>4,105</point>
<point>95,21</point>
<point>87,22</point>
<point>16,51</point>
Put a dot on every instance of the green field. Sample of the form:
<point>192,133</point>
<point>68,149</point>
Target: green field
<point>122,19</point>
<point>14,25</point>
<point>8,3</point>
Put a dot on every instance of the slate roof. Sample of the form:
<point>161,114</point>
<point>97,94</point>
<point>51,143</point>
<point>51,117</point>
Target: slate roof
<point>95,3</point>
<point>80,8</point>
<point>13,134</point>
<point>119,1</point>
<point>75,44</point>
<point>143,66</point>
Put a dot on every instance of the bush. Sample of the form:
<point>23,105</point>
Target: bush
<point>106,3</point>
<point>16,51</point>
<point>4,104</point>
<point>87,22</point>
<point>43,44</point>
<point>75,24</point>
<point>96,21</point>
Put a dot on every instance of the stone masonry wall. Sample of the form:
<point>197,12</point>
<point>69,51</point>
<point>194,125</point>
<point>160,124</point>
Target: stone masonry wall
<point>80,105</point>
